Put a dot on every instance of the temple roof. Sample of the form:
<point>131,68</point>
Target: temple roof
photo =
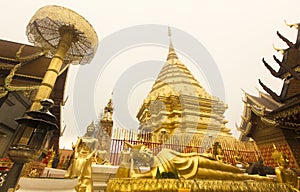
<point>268,111</point>
<point>260,106</point>
<point>289,68</point>
<point>262,101</point>
<point>290,55</point>
<point>34,59</point>
<point>288,109</point>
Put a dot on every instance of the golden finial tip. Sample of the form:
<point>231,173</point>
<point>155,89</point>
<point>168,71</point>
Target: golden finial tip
<point>169,31</point>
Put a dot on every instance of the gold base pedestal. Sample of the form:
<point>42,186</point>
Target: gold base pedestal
<point>175,185</point>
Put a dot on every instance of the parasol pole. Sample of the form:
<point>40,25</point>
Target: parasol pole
<point>53,70</point>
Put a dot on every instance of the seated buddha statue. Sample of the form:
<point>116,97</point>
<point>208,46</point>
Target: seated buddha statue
<point>81,162</point>
<point>101,155</point>
<point>218,152</point>
<point>125,162</point>
<point>238,160</point>
<point>187,165</point>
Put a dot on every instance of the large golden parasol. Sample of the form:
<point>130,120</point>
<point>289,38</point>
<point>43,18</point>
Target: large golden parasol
<point>67,36</point>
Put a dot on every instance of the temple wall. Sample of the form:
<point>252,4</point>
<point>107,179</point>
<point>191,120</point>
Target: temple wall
<point>294,145</point>
<point>266,134</point>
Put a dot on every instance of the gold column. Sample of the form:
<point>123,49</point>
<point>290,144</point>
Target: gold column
<point>53,70</point>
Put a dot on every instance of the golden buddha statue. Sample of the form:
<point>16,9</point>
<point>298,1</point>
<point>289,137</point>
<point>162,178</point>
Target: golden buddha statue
<point>218,152</point>
<point>187,165</point>
<point>238,160</point>
<point>101,155</point>
<point>81,163</point>
<point>283,173</point>
<point>125,162</point>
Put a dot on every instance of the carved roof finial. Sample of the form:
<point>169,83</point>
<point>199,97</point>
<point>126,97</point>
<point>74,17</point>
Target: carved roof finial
<point>296,26</point>
<point>292,25</point>
<point>278,50</point>
<point>270,92</point>
<point>272,71</point>
<point>289,43</point>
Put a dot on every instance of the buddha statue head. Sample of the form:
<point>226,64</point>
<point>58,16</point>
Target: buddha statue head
<point>90,129</point>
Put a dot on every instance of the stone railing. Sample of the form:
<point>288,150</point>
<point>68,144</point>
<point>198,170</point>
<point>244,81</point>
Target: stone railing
<point>101,175</point>
<point>27,184</point>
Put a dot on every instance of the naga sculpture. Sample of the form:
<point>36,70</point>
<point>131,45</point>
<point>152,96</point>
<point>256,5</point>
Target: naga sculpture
<point>9,88</point>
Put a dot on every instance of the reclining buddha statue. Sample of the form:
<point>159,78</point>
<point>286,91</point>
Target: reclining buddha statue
<point>186,165</point>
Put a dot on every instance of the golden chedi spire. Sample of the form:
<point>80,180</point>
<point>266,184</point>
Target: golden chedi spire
<point>178,103</point>
<point>172,54</point>
<point>175,78</point>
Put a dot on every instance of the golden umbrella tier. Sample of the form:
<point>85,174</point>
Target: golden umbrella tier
<point>48,25</point>
<point>67,36</point>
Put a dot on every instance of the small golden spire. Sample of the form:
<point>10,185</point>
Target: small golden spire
<point>172,54</point>
<point>169,32</point>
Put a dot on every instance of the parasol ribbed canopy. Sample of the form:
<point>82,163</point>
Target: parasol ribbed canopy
<point>48,25</point>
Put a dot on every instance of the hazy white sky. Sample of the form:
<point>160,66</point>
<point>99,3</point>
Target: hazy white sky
<point>237,35</point>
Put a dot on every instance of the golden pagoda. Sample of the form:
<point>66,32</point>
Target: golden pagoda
<point>178,105</point>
